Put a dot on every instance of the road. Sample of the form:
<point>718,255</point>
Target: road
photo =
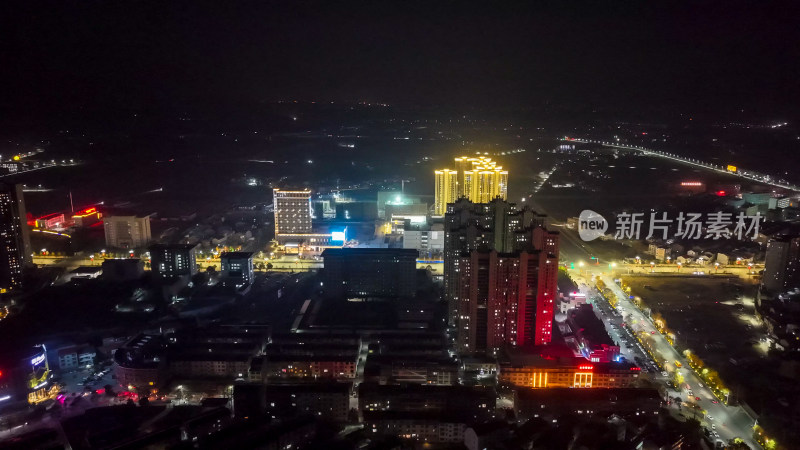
<point>692,162</point>
<point>730,421</point>
<point>281,264</point>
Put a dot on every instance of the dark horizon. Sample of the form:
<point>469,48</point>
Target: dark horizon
<point>95,57</point>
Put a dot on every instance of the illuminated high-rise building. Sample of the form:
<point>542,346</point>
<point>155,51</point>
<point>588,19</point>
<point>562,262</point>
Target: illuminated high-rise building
<point>446,190</point>
<point>500,273</point>
<point>782,263</point>
<point>15,247</point>
<point>478,179</point>
<point>292,211</point>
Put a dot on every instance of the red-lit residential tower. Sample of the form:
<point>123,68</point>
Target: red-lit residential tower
<point>508,298</point>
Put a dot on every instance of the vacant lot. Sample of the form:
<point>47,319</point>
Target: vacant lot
<point>711,316</point>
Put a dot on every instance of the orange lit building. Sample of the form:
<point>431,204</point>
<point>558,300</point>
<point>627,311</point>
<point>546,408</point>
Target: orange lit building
<point>536,371</point>
<point>86,217</point>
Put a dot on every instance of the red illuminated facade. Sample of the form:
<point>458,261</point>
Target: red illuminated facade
<point>508,298</point>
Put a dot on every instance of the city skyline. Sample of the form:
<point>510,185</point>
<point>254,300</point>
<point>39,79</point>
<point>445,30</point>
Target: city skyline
<point>399,225</point>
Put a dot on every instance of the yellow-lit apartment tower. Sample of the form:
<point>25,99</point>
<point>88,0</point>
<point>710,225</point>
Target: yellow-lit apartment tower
<point>446,190</point>
<point>477,178</point>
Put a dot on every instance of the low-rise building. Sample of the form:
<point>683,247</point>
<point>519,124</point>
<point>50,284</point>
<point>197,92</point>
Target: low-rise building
<point>391,369</point>
<point>310,366</point>
<point>432,428</point>
<point>83,273</point>
<point>472,403</point>
<point>327,400</point>
<point>209,365</point>
<point>428,240</point>
<point>70,358</point>
<point>140,363</point>
<point>551,403</point>
<point>237,269</point>
<point>123,269</point>
<point>173,260</point>
<point>536,371</point>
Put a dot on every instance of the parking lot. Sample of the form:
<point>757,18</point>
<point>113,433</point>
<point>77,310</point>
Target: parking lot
<point>87,380</point>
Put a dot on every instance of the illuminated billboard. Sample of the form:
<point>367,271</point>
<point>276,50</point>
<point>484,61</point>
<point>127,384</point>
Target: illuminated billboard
<point>732,168</point>
<point>339,237</point>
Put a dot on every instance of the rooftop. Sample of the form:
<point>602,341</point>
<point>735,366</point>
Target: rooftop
<point>409,252</point>
<point>236,255</point>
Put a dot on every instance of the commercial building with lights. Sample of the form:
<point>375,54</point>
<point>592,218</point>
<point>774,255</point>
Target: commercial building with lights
<point>127,231</point>
<point>536,371</point>
<point>15,244</point>
<point>236,269</point>
<point>293,230</point>
<point>173,260</point>
<point>25,377</point>
<point>292,211</point>
<point>86,217</point>
<point>500,274</point>
<point>478,179</point>
<point>51,221</point>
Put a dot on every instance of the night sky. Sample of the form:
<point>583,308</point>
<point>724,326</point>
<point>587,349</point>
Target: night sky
<point>65,56</point>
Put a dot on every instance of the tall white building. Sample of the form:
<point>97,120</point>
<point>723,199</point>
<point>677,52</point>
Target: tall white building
<point>127,231</point>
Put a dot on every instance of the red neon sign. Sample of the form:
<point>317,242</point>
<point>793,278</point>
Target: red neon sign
<point>585,367</point>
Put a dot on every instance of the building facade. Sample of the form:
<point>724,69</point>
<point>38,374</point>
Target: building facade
<point>237,269</point>
<point>73,357</point>
<point>127,231</point>
<point>505,299</point>
<point>782,264</point>
<point>310,367</point>
<point>328,400</point>
<point>445,191</point>
<point>428,240</point>
<point>537,372</point>
<point>292,211</point>
<point>15,244</point>
<point>370,272</point>
<point>175,260</point>
<point>25,376</point>
<point>500,274</point>
<point>478,179</point>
